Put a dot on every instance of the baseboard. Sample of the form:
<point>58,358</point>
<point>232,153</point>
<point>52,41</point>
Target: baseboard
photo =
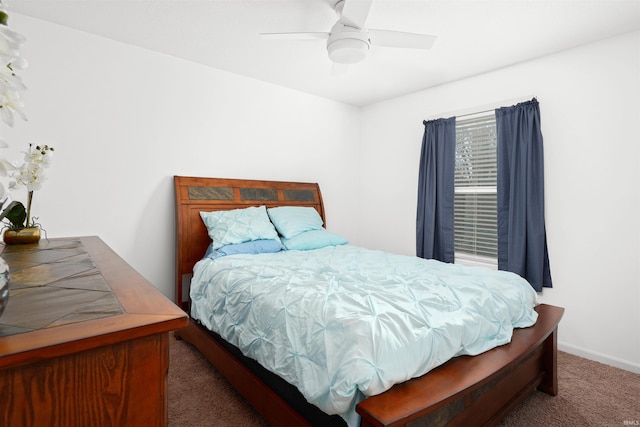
<point>599,357</point>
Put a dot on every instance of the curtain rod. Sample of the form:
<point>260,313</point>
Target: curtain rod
<point>483,109</point>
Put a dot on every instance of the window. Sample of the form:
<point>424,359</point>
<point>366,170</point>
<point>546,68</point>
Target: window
<point>475,206</point>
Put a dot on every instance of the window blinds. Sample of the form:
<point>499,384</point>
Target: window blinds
<point>475,206</point>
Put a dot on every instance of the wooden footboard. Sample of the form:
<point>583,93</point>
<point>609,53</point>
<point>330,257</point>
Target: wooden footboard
<point>478,390</point>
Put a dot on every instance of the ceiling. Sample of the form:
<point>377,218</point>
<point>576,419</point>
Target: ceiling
<point>473,36</point>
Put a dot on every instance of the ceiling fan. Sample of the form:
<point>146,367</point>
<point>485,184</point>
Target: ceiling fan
<point>349,41</point>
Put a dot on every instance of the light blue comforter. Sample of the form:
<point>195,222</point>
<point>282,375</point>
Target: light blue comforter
<point>342,322</point>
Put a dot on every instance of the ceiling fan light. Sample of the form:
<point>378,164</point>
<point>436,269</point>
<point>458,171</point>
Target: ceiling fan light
<point>348,50</point>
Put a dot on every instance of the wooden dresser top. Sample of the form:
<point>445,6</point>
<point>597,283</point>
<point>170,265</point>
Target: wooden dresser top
<point>73,294</point>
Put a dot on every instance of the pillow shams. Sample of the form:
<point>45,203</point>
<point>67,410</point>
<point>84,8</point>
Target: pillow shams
<point>293,220</point>
<point>313,239</point>
<point>238,226</point>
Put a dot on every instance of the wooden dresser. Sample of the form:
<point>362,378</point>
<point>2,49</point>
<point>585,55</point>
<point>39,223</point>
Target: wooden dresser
<point>84,340</point>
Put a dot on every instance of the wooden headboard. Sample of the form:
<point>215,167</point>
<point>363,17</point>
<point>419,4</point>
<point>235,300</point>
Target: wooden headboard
<point>194,195</point>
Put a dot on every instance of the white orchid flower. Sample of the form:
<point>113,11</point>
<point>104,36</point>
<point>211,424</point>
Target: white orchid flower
<point>10,41</point>
<point>31,173</point>
<point>10,83</point>
<point>10,104</point>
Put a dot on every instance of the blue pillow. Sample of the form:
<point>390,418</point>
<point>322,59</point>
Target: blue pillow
<point>314,239</point>
<point>253,247</point>
<point>238,226</point>
<point>293,220</point>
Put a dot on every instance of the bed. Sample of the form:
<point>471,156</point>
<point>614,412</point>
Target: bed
<point>477,390</point>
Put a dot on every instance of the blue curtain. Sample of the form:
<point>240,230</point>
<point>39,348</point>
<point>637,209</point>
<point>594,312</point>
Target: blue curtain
<point>434,231</point>
<point>522,241</point>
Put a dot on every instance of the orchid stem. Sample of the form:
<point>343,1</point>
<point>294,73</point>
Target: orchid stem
<point>29,198</point>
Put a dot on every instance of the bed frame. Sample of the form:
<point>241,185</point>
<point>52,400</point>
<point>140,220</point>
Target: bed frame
<point>478,390</point>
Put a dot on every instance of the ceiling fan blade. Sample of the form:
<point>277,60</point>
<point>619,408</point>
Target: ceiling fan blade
<point>355,12</point>
<point>294,36</point>
<point>389,38</point>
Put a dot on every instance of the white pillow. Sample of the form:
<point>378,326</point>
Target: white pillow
<point>238,226</point>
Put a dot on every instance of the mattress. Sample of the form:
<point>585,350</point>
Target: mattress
<point>342,323</point>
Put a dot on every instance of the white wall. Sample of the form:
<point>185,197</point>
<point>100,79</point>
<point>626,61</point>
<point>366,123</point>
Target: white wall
<point>590,114</point>
<point>124,120</point>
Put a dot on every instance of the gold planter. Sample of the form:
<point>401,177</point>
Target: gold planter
<point>21,236</point>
